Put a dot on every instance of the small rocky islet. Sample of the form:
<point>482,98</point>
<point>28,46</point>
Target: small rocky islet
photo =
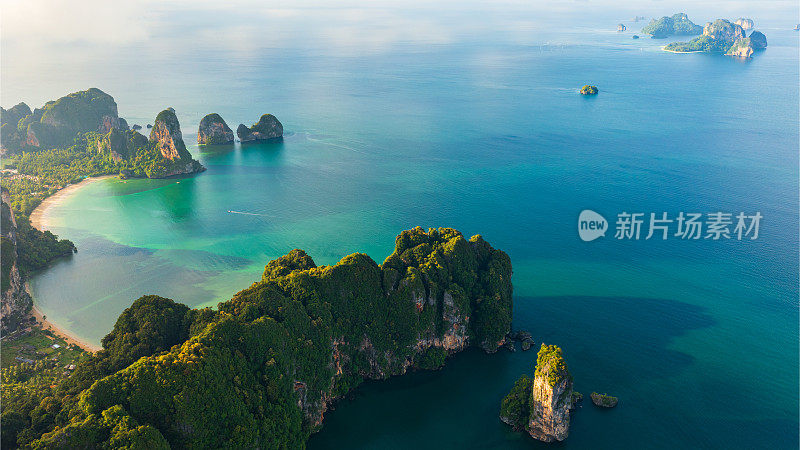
<point>604,400</point>
<point>541,406</point>
<point>213,130</point>
<point>589,90</point>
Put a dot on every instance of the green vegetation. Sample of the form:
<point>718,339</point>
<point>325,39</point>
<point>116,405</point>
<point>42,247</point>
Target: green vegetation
<point>550,363</point>
<point>57,123</point>
<point>700,44</point>
<point>722,36</point>
<point>31,369</point>
<point>258,372</point>
<point>678,24</point>
<point>589,90</point>
<point>267,127</point>
<point>433,358</point>
<point>515,408</point>
<point>522,407</point>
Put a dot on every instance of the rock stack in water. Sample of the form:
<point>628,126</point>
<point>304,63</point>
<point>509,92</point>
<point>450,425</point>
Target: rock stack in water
<point>167,137</point>
<point>214,130</point>
<point>541,406</point>
<point>267,127</point>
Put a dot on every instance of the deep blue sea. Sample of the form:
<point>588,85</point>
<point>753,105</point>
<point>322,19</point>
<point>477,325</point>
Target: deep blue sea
<point>466,116</point>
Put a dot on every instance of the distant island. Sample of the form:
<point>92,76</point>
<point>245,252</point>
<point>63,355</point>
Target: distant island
<point>589,90</point>
<point>722,36</point>
<point>262,369</point>
<point>677,25</point>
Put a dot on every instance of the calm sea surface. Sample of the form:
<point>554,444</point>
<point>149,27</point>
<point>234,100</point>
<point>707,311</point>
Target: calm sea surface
<point>469,119</point>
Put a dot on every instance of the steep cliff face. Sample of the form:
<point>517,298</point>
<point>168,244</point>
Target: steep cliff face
<point>167,137</point>
<point>441,305</point>
<point>59,121</point>
<point>541,406</point>
<point>166,133</point>
<point>214,130</point>
<point>268,127</point>
<point>16,303</point>
<point>551,398</point>
<point>742,48</point>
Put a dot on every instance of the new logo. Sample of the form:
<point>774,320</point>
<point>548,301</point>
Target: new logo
<point>591,225</point>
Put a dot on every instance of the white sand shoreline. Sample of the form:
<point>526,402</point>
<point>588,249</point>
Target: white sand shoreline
<point>37,215</point>
<point>37,219</point>
<point>70,338</point>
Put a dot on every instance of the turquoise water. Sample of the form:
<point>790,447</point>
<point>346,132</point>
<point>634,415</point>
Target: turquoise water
<point>480,130</point>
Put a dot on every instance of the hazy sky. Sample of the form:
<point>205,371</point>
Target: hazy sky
<point>65,38</point>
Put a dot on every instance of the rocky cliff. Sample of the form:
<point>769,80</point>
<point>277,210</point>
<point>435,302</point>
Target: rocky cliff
<point>551,398</point>
<point>446,292</point>
<point>268,127</point>
<point>16,303</point>
<point>214,130</point>
<point>167,137</point>
<point>541,406</point>
<point>742,48</point>
<point>59,121</point>
<point>746,24</point>
<point>758,40</point>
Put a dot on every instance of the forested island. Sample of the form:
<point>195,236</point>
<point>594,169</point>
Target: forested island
<point>676,25</point>
<point>261,370</point>
<point>722,36</point>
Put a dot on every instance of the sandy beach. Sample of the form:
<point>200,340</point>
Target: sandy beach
<point>64,334</point>
<point>38,221</point>
<point>664,48</point>
<point>37,216</point>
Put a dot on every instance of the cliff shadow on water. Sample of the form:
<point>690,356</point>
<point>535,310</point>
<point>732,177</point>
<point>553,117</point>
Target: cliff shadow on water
<point>470,387</point>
